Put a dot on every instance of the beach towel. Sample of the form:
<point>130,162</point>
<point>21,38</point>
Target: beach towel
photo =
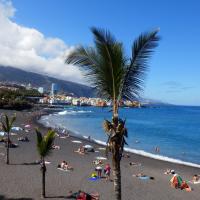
<point>102,148</point>
<point>63,137</point>
<point>194,182</point>
<point>144,177</point>
<point>65,170</point>
<point>93,178</point>
<point>101,158</point>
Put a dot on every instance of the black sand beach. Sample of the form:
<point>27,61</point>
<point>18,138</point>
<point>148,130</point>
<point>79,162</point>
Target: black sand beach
<point>22,179</point>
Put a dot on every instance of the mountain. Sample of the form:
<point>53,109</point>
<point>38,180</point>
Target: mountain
<point>14,75</point>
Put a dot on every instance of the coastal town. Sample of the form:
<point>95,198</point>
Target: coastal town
<point>55,96</point>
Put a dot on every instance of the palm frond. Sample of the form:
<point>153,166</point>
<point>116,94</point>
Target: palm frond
<point>135,72</point>
<point>44,143</point>
<point>7,122</point>
<point>49,139</point>
<point>107,126</point>
<point>12,120</point>
<point>102,64</point>
<point>39,136</point>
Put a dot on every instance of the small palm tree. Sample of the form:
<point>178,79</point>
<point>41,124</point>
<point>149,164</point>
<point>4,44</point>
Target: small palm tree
<point>115,78</point>
<point>44,147</point>
<point>7,124</point>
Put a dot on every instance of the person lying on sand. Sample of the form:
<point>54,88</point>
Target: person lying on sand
<point>81,150</point>
<point>11,144</point>
<point>80,195</point>
<point>141,175</point>
<point>64,165</point>
<point>23,139</point>
<point>55,147</point>
<point>195,178</point>
<point>134,164</point>
<point>126,155</point>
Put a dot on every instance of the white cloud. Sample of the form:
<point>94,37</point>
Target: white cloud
<point>28,49</point>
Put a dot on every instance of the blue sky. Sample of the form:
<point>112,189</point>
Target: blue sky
<point>175,66</point>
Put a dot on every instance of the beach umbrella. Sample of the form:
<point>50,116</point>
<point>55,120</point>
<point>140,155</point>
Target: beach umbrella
<point>2,133</point>
<point>16,128</point>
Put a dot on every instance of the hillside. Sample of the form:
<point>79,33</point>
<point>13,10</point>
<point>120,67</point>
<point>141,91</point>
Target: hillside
<point>11,74</point>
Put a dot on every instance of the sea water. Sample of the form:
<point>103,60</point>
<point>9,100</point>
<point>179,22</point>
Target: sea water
<point>175,130</point>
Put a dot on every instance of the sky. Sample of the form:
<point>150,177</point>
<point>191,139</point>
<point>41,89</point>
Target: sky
<point>36,35</point>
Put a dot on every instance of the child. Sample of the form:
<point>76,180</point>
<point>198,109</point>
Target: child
<point>107,171</point>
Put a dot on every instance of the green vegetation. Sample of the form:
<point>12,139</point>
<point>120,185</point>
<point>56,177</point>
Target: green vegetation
<point>17,99</point>
<point>115,77</point>
<point>7,124</point>
<point>44,147</point>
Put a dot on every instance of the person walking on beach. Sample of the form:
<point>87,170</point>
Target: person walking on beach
<point>107,171</point>
<point>99,170</point>
<point>157,149</point>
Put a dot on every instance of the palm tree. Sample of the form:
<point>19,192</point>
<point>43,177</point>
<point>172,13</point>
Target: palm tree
<point>7,124</point>
<point>44,147</point>
<point>115,78</point>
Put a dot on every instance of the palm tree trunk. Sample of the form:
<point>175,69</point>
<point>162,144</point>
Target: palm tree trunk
<point>117,176</point>
<point>43,168</point>
<point>7,149</point>
<point>115,108</point>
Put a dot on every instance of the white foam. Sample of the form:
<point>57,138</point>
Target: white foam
<point>73,112</point>
<point>157,157</point>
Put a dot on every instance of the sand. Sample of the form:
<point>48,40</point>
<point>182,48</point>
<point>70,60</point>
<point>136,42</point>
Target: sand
<point>22,178</point>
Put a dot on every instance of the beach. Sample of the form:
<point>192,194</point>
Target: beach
<point>22,179</point>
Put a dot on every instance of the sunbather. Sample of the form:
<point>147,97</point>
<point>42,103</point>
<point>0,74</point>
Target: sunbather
<point>126,155</point>
<point>141,175</point>
<point>195,178</point>
<point>23,139</point>
<point>64,165</point>
<point>169,171</point>
<point>134,164</point>
<point>55,147</point>
<point>11,145</point>
<point>81,150</point>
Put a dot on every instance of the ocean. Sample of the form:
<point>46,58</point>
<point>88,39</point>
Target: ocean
<point>174,129</point>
